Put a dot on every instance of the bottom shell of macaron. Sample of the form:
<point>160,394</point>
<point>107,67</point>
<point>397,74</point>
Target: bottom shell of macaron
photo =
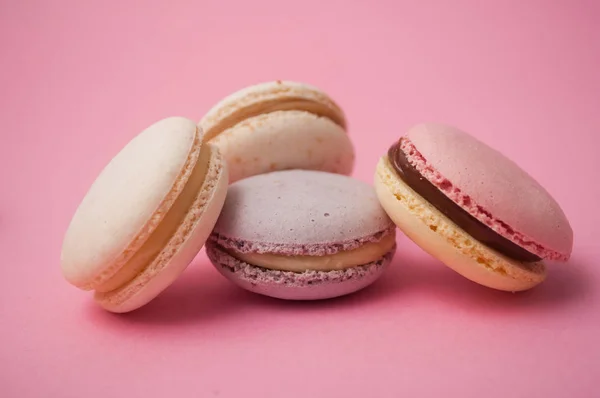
<point>288,285</point>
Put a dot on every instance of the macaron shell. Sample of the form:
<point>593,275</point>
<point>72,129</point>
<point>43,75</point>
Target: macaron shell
<point>290,285</point>
<point>128,199</point>
<point>495,186</point>
<point>182,248</point>
<point>444,240</point>
<point>284,140</point>
<point>301,212</point>
<point>268,97</point>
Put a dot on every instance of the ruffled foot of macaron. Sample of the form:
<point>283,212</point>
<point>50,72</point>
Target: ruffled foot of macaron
<point>146,216</point>
<point>302,235</point>
<point>472,208</point>
<point>279,125</point>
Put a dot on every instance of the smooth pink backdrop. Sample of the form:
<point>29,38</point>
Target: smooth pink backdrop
<point>80,78</point>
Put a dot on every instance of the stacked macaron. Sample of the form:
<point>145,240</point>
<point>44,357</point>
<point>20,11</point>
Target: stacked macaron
<point>152,208</point>
<point>263,180</point>
<point>279,125</point>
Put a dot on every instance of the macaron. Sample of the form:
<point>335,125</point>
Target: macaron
<point>302,235</point>
<point>279,125</point>
<point>146,216</point>
<point>472,208</point>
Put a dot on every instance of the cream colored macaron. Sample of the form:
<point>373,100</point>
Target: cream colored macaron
<point>279,125</point>
<point>146,215</point>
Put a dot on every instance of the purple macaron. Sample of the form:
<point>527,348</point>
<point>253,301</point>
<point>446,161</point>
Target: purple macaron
<point>302,235</point>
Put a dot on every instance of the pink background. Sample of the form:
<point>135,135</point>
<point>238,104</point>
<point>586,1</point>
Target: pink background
<point>79,79</point>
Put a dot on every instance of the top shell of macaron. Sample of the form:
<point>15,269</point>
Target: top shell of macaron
<point>128,200</point>
<point>297,212</point>
<point>269,97</point>
<point>491,187</point>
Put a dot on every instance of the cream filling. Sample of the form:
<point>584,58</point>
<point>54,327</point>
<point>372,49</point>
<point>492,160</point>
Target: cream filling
<point>288,104</point>
<point>172,220</point>
<point>365,254</point>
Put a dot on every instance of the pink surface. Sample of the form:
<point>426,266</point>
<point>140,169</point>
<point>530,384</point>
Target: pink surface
<point>78,81</point>
<point>491,187</point>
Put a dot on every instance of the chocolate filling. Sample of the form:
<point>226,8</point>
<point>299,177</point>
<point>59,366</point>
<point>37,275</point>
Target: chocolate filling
<point>478,230</point>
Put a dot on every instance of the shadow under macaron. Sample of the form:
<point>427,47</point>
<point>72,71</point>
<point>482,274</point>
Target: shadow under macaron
<point>198,296</point>
<point>202,296</point>
<point>565,285</point>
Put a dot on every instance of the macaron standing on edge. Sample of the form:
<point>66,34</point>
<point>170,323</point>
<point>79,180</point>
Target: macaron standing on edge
<point>146,216</point>
<point>472,208</point>
<point>302,235</point>
<point>279,125</point>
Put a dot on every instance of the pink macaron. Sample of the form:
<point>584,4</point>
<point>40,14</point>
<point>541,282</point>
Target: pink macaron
<point>472,207</point>
<point>302,235</point>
